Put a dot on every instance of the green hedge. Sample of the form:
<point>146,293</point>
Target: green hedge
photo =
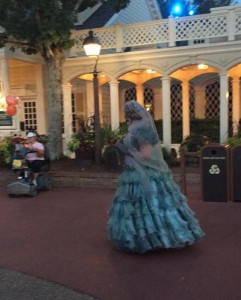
<point>206,127</point>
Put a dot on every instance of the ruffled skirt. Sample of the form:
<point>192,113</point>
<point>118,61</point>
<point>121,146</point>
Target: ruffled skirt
<point>160,218</point>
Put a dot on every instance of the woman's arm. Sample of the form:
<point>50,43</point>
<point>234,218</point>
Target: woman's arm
<point>39,150</point>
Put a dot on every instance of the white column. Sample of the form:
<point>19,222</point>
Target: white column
<point>236,102</point>
<point>139,93</point>
<point>5,76</point>
<point>223,107</point>
<point>185,109</point>
<point>114,104</point>
<point>41,112</point>
<point>166,116</point>
<point>199,102</point>
<point>68,119</point>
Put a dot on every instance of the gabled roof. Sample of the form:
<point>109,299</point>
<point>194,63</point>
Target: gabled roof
<point>136,11</point>
<point>99,18</point>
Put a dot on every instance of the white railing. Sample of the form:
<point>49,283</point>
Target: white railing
<point>221,25</point>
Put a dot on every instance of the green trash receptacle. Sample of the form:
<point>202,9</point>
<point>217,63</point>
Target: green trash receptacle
<point>215,173</point>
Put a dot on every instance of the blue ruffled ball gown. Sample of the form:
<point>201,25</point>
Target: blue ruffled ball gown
<point>140,221</point>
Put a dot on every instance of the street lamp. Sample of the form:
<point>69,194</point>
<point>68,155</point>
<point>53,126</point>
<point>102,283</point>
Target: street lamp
<point>92,48</point>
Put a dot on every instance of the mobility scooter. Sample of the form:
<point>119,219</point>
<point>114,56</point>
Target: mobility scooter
<point>23,184</point>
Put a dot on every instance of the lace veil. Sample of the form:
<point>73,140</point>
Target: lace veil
<point>142,130</point>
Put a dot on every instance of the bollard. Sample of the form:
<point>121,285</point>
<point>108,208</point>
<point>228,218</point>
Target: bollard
<point>185,158</point>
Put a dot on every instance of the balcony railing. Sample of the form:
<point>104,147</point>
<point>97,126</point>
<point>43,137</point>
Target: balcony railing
<point>221,25</point>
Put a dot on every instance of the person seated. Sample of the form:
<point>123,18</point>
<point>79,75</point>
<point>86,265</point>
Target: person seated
<point>35,157</point>
<point>21,149</point>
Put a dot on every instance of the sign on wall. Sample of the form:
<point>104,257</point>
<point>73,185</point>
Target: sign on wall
<point>5,120</point>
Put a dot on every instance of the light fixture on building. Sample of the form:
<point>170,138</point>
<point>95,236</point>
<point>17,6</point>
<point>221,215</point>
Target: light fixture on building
<point>202,67</point>
<point>150,71</point>
<point>148,107</point>
<point>92,48</point>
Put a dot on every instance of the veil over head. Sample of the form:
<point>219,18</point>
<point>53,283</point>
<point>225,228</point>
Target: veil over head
<point>142,130</point>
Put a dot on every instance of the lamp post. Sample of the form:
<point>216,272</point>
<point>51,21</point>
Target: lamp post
<point>92,48</point>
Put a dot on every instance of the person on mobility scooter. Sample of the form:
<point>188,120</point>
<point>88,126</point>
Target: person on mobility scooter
<point>35,157</point>
<point>31,160</point>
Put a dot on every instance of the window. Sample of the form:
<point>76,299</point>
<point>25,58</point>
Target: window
<point>30,115</point>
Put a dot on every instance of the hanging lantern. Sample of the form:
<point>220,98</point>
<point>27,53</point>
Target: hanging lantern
<point>11,110</point>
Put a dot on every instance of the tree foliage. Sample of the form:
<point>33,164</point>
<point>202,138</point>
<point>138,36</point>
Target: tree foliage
<point>45,27</point>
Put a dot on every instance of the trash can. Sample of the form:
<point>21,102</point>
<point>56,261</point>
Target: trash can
<point>214,173</point>
<point>235,180</point>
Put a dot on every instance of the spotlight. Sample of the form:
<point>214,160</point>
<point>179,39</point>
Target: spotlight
<point>177,10</point>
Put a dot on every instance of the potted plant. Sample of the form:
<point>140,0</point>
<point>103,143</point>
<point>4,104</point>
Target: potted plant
<point>191,147</point>
<point>233,141</point>
<point>74,143</point>
<point>194,143</point>
<point>82,144</point>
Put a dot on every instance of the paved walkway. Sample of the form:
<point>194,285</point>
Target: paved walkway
<point>19,286</point>
<point>55,245</point>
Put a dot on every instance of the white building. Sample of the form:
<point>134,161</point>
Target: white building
<point>180,68</point>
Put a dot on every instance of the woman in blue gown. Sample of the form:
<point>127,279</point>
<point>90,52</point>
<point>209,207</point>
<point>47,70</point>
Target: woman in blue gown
<point>148,210</point>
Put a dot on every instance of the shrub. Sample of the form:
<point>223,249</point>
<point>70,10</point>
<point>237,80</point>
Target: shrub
<point>194,142</point>
<point>7,147</point>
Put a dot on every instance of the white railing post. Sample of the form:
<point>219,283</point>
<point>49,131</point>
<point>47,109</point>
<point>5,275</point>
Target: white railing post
<point>231,25</point>
<point>119,38</point>
<point>172,31</point>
